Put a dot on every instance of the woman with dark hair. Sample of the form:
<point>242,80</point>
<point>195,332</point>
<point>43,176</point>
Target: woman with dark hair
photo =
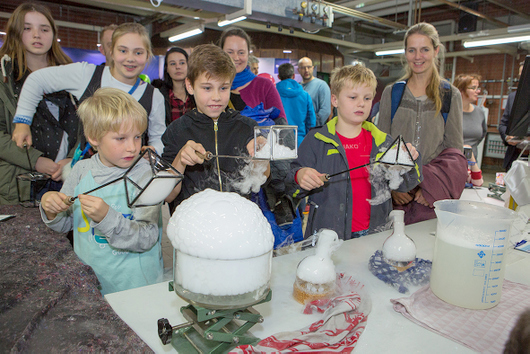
<point>247,88</point>
<point>30,45</point>
<point>251,90</point>
<point>173,87</point>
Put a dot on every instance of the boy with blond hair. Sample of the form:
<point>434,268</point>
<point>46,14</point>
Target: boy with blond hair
<point>210,127</point>
<point>121,244</point>
<point>346,141</point>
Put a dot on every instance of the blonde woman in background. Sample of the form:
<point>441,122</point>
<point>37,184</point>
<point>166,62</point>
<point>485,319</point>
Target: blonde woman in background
<point>429,115</point>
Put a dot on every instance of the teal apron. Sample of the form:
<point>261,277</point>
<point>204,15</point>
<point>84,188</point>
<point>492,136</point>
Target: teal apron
<point>116,269</point>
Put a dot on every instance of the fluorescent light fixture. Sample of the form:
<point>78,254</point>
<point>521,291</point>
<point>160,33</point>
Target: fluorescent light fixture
<point>229,22</point>
<point>390,52</point>
<point>187,34</point>
<point>2,33</point>
<point>237,16</point>
<point>183,31</point>
<point>287,51</point>
<point>519,28</point>
<point>504,40</point>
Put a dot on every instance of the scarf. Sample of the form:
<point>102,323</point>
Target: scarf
<point>243,78</point>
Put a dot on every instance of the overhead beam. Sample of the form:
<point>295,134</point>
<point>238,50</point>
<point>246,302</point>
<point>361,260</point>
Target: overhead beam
<point>364,16</point>
<point>147,8</point>
<point>473,12</point>
<point>509,8</point>
<point>299,34</point>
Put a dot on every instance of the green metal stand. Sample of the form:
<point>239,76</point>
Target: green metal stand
<point>211,331</point>
<point>497,191</point>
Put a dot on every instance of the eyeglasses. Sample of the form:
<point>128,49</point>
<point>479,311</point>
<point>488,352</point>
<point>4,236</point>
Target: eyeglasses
<point>474,88</point>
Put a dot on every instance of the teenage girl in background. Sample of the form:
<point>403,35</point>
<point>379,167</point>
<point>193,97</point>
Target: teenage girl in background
<point>131,50</point>
<point>31,45</point>
<point>173,87</point>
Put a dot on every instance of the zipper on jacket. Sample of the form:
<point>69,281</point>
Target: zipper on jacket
<point>417,128</point>
<point>215,128</point>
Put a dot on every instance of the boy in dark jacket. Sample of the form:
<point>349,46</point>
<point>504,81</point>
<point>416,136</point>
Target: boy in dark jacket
<point>358,202</point>
<point>210,127</point>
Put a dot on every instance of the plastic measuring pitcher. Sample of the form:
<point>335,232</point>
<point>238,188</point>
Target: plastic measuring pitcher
<point>471,241</point>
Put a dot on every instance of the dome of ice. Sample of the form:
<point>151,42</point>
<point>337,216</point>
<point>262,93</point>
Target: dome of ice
<point>219,225</point>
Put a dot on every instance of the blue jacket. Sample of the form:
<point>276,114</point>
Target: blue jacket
<point>331,205</point>
<point>298,106</point>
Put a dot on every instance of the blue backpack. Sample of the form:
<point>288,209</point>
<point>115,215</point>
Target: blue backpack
<point>399,88</point>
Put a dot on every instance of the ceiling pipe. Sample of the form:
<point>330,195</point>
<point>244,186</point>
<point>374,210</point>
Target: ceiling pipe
<point>473,12</point>
<point>364,16</point>
<point>146,7</point>
<point>506,7</point>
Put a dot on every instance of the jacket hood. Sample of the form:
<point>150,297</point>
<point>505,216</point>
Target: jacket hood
<point>289,88</point>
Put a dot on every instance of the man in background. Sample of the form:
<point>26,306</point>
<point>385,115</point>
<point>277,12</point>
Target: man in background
<point>512,152</point>
<point>296,102</point>
<point>318,90</point>
<point>105,39</point>
<point>253,62</point>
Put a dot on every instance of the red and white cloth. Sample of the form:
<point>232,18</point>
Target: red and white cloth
<point>343,322</point>
<point>485,331</point>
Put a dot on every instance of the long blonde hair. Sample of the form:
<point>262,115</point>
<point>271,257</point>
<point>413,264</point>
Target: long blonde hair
<point>433,89</point>
<point>14,47</point>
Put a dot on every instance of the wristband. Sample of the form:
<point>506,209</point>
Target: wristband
<point>476,175</point>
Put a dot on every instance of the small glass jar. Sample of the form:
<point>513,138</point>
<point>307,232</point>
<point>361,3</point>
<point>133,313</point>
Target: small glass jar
<point>276,142</point>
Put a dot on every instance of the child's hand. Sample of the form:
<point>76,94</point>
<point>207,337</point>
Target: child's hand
<point>251,148</point>
<point>309,178</point>
<point>413,152</point>
<point>93,207</point>
<point>21,134</point>
<point>401,198</point>
<point>419,198</point>
<point>145,148</point>
<point>46,165</point>
<point>57,175</point>
<point>53,203</point>
<point>187,156</point>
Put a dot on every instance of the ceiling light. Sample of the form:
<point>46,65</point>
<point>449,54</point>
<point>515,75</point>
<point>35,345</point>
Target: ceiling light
<point>183,31</point>
<point>390,52</point>
<point>229,22</point>
<point>2,33</point>
<point>504,40</point>
<point>237,16</point>
<point>519,28</point>
<point>287,51</point>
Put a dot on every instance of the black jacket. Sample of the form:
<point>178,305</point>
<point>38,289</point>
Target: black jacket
<point>233,134</point>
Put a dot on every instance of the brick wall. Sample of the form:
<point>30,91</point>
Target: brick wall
<point>72,37</point>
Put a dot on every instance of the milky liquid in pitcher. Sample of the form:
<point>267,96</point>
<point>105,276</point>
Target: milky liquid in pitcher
<point>468,274</point>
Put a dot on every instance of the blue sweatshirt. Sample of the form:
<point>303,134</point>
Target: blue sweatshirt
<point>298,106</point>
